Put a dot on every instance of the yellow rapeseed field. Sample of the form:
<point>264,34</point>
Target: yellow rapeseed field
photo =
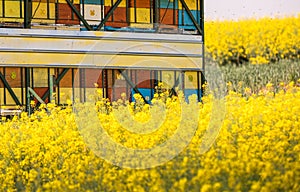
<point>258,41</point>
<point>257,149</point>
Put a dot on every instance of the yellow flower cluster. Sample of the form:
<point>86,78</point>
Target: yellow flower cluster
<point>257,148</point>
<point>258,41</point>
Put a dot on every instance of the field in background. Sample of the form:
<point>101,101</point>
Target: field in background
<point>257,41</point>
<point>256,77</point>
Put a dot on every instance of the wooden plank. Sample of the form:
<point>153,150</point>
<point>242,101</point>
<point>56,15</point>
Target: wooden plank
<point>100,61</point>
<point>59,45</point>
<point>10,112</point>
<point>103,49</point>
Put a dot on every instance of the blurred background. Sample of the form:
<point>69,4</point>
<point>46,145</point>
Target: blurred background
<point>239,9</point>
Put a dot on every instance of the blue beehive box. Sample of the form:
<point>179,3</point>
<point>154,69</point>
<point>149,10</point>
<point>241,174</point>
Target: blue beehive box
<point>185,22</point>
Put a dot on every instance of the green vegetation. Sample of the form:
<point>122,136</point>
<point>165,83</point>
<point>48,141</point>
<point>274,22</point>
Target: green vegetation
<point>256,77</point>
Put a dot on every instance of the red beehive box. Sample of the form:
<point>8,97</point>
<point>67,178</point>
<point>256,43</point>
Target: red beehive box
<point>65,14</point>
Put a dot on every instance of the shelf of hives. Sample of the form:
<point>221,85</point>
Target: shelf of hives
<point>64,48</point>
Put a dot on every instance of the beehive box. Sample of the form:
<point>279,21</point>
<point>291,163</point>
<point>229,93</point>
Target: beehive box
<point>65,15</point>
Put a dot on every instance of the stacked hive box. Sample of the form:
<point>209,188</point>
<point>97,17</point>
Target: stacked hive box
<point>92,11</point>
<point>11,11</point>
<point>192,83</point>
<point>140,13</point>
<point>65,86</point>
<point>119,17</point>
<point>13,76</point>
<point>116,85</point>
<point>43,11</point>
<point>169,14</point>
<point>144,81</point>
<point>40,80</point>
<point>64,13</point>
<point>185,21</point>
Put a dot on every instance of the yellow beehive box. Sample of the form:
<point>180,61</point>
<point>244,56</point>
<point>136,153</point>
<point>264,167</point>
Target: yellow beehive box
<point>40,77</point>
<point>167,78</point>
<point>191,80</point>
<point>73,1</point>
<point>12,9</point>
<point>9,99</point>
<point>1,9</point>
<point>192,4</point>
<point>110,3</point>
<point>142,15</point>
<point>40,13</point>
